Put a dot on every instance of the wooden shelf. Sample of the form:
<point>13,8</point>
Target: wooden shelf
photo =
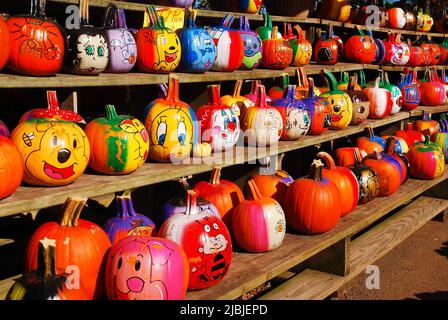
<point>250,270</point>
<point>432,110</point>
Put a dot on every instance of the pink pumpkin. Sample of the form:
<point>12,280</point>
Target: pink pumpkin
<point>381,102</point>
<point>146,268</point>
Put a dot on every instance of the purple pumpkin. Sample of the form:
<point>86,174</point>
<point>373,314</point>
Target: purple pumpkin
<point>3,129</point>
<point>295,114</point>
<point>380,52</point>
<point>128,222</point>
<point>253,46</point>
<point>180,3</point>
<point>121,42</point>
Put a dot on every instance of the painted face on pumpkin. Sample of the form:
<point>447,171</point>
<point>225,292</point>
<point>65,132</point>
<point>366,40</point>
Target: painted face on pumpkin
<point>123,45</point>
<point>252,50</point>
<point>400,54</point>
<point>167,49</point>
<point>204,50</point>
<point>225,129</point>
<point>141,136</point>
<point>92,53</point>
<point>304,54</point>
<point>340,109</point>
<point>298,122</point>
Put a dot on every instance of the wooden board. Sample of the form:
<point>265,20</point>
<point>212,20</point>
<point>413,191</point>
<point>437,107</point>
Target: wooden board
<point>5,285</point>
<point>436,109</point>
<point>250,270</point>
<point>365,250</point>
<point>26,199</point>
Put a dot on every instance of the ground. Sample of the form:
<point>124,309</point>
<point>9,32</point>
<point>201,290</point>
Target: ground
<point>416,269</point>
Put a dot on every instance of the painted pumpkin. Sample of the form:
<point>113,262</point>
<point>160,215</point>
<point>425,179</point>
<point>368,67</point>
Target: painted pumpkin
<point>410,91</point>
<point>146,268</point>
<point>127,222</point>
<point>320,110</point>
<point>432,91</point>
<point>262,125</point>
<point>368,179</point>
<point>411,20</point>
<point>345,157</point>
<point>247,6</point>
<point>252,96</point>
<point>4,131</point>
<point>410,135</point>
<point>426,126</point>
<point>397,18</point>
<point>236,100</point>
<point>388,170</point>
<point>326,51</point>
<point>171,125</point>
<point>370,142</point>
<point>360,102</point>
<point>360,48</point>
<point>205,240</point>
<point>312,203</point>
<point>395,152</point>
<point>278,91</point>
<point>443,54</point>
<point>253,46</point>
<point>53,112</point>
<point>426,160</point>
<point>380,52</point>
<point>81,249</point>
<point>396,95</point>
<point>6,43</point>
<point>336,10</point>
<point>265,31</point>
<point>11,166</point>
<point>295,114</point>
<point>258,224</point>
<point>197,45</point>
<point>302,50</point>
<point>121,42</point>
<point>399,145</point>
<point>381,102</point>
<point>36,43</point>
<point>441,140</point>
<point>87,50</point>
<point>271,180</point>
<point>44,283</point>
<point>339,101</point>
<point>62,148</point>
<point>277,52</point>
<point>223,194</point>
<point>424,22</point>
<point>345,181</point>
<point>158,47</point>
<point>219,123</point>
<point>229,44</point>
<point>302,89</point>
<point>416,56</point>
<point>119,144</point>
<point>397,52</point>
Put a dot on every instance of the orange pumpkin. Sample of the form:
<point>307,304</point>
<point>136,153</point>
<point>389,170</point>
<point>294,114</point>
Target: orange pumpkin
<point>345,157</point>
<point>391,150</point>
<point>277,52</point>
<point>388,170</point>
<point>11,167</point>
<point>302,48</point>
<point>6,43</point>
<point>426,126</point>
<point>370,142</point>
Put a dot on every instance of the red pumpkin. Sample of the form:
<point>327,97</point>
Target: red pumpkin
<point>432,91</point>
<point>326,51</point>
<point>11,167</point>
<point>397,18</point>
<point>345,181</point>
<point>360,48</point>
<point>345,157</point>
<point>278,91</point>
<point>370,142</point>
<point>381,102</point>
<point>416,56</point>
<point>81,248</point>
<point>443,54</point>
<point>388,170</point>
<point>320,111</point>
<point>426,126</point>
<point>426,160</point>
<point>277,52</point>
<point>312,204</point>
<point>410,135</point>
<point>391,150</point>
<point>6,43</point>
<point>397,52</point>
<point>37,44</point>
<point>225,195</point>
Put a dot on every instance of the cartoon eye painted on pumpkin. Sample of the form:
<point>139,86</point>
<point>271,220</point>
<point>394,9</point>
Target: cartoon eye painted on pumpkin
<point>75,143</point>
<point>138,265</point>
<point>181,131</point>
<point>100,51</point>
<point>90,50</point>
<point>255,45</point>
<point>55,141</point>
<point>207,42</point>
<point>164,41</point>
<point>161,131</point>
<point>215,225</point>
<point>120,263</point>
<point>207,228</point>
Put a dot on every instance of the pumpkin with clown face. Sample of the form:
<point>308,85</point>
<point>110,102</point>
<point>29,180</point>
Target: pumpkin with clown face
<point>55,153</point>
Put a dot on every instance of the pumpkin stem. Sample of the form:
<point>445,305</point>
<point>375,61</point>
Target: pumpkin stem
<point>299,32</point>
<point>254,85</point>
<point>213,94</point>
<point>216,175</point>
<point>237,88</point>
<point>279,161</point>
<point>122,19</point>
<point>328,160</point>
<point>316,170</point>
<point>358,156</point>
<point>46,266</point>
<point>427,139</point>
<point>369,132</point>
<point>184,182</point>
<point>72,209</point>
<point>267,20</point>
<point>332,82</point>
<point>192,202</point>
<point>390,145</point>
<point>290,92</point>
<point>375,155</point>
<point>130,204</point>
<point>274,31</point>
<point>254,191</point>
<point>410,126</point>
<point>362,78</point>
<point>122,207</point>
<point>426,116</point>
<point>52,100</point>
<point>301,77</point>
<point>311,88</point>
<point>261,97</point>
<point>352,83</point>
<point>111,113</point>
<point>173,88</point>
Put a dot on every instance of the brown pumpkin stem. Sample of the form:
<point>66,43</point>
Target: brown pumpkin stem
<point>358,156</point>
<point>46,266</point>
<point>192,202</point>
<point>316,170</point>
<point>184,182</point>
<point>237,88</point>
<point>254,191</point>
<point>352,83</point>
<point>375,155</point>
<point>278,164</point>
<point>216,175</point>
<point>299,32</point>
<point>72,209</point>
<point>214,94</point>
<point>302,79</point>
<point>369,132</point>
<point>173,88</point>
<point>390,145</point>
<point>274,31</point>
<point>328,160</point>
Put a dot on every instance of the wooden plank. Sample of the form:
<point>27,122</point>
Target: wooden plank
<point>4,242</point>
<point>364,250</point>
<point>27,198</point>
<point>250,270</point>
<point>5,285</point>
<point>335,259</point>
<point>432,110</point>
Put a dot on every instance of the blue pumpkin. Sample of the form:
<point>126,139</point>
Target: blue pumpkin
<point>253,46</point>
<point>197,45</point>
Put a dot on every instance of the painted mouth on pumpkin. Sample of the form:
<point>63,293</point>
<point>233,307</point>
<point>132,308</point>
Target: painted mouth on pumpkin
<point>336,118</point>
<point>170,57</point>
<point>58,173</point>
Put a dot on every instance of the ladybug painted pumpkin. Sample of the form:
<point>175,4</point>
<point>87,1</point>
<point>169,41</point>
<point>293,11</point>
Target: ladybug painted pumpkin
<point>345,181</point>
<point>370,142</point>
<point>158,47</point>
<point>127,222</point>
<point>410,135</point>
<point>388,170</point>
<point>6,43</point>
<point>397,18</point>
<point>368,179</point>
<point>320,110</point>
<point>326,51</point>
<point>11,166</point>
<point>295,114</point>
<point>253,46</point>
<point>171,125</point>
<point>87,50</point>
<point>345,157</point>
<point>339,101</point>
<point>410,91</point>
<point>205,240</point>
<point>360,101</point>
<point>258,224</point>
<point>360,48</point>
<point>393,149</point>
<point>55,153</point>
<point>81,249</point>
<point>397,52</point>
<point>381,102</point>
<point>265,31</point>
<point>229,44</point>
<point>53,112</point>
<point>312,203</point>
<point>426,160</point>
<point>426,126</point>
<point>146,268</point>
<point>277,52</point>
<point>4,131</point>
<point>197,45</point>
<point>424,22</point>
<point>302,50</point>
<point>36,43</point>
<point>219,123</point>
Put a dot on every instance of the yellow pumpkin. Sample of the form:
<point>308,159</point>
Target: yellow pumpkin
<point>340,103</point>
<point>202,150</point>
<point>171,125</point>
<point>56,153</point>
<point>236,100</point>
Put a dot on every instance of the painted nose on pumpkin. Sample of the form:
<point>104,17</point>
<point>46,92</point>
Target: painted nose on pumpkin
<point>135,284</point>
<point>172,48</point>
<point>231,127</point>
<point>64,155</point>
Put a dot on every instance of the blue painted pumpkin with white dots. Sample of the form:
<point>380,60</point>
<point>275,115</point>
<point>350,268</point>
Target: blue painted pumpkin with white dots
<point>198,47</point>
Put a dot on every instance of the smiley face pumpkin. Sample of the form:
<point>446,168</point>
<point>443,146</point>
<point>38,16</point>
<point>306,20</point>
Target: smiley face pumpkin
<point>56,153</point>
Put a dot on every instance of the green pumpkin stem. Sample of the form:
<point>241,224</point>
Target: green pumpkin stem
<point>332,82</point>
<point>72,209</point>
<point>427,139</point>
<point>267,20</point>
<point>316,170</point>
<point>362,78</point>
<point>216,175</point>
<point>111,113</point>
<point>254,191</point>
<point>46,266</point>
<point>328,160</point>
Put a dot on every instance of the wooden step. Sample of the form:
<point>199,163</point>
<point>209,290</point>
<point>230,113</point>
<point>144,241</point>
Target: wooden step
<point>364,250</point>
